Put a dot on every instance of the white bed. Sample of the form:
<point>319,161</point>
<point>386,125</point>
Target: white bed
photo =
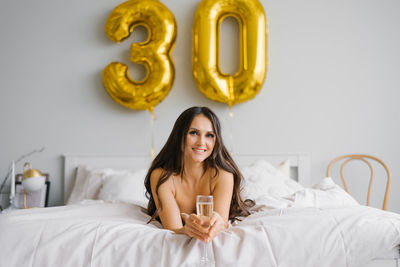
<point>113,233</point>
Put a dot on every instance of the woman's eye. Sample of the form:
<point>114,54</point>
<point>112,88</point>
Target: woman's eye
<point>210,135</point>
<point>192,132</point>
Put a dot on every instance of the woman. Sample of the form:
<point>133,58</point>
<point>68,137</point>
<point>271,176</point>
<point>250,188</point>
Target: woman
<point>194,161</point>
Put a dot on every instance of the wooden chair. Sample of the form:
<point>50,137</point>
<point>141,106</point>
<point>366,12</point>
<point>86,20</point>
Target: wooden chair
<point>366,159</point>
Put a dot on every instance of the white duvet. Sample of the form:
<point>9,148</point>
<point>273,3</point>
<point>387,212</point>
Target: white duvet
<point>307,230</point>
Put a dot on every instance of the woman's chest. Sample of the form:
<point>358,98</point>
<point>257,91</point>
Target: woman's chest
<point>186,196</point>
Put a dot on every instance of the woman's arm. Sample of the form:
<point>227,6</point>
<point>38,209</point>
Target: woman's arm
<point>222,195</point>
<point>170,214</point>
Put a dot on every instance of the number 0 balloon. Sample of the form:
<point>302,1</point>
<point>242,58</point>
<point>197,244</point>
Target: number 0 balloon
<point>154,54</point>
<point>247,82</point>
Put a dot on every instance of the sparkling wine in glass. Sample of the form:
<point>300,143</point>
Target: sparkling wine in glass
<point>204,206</point>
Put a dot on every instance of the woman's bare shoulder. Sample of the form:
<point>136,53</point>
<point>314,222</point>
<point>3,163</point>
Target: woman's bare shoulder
<point>224,173</point>
<point>222,177</point>
<point>156,175</point>
<point>157,172</point>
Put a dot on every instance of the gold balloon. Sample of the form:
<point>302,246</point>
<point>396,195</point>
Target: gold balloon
<point>247,82</point>
<point>154,54</point>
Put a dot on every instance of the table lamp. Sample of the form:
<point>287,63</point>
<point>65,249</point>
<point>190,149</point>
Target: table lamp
<point>32,179</point>
<point>11,172</point>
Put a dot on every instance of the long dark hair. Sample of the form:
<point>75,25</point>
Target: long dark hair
<point>171,161</point>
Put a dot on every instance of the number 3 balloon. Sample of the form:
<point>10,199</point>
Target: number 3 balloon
<point>154,54</point>
<point>247,82</point>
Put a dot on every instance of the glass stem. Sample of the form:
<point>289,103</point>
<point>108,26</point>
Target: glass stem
<point>205,251</point>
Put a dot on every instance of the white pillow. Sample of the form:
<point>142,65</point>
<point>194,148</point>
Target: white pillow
<point>325,194</point>
<point>263,179</point>
<point>124,186</point>
<point>90,181</point>
<point>284,167</point>
<point>87,185</point>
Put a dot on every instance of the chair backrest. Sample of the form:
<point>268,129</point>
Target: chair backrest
<point>366,159</point>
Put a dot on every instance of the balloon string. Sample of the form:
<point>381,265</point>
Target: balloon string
<point>152,118</point>
<point>231,129</point>
<point>231,100</point>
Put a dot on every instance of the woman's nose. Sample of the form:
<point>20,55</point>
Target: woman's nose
<point>201,140</point>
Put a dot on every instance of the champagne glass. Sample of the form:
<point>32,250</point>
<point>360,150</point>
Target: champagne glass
<point>204,205</point>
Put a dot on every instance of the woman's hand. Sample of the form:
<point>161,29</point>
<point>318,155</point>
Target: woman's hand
<point>194,227</point>
<point>217,224</point>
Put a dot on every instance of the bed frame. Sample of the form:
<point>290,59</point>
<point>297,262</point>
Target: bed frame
<point>300,171</point>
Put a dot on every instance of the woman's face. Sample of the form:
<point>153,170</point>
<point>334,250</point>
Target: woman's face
<point>200,139</point>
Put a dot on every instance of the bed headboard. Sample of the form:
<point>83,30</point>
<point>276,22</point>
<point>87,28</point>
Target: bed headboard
<point>300,164</point>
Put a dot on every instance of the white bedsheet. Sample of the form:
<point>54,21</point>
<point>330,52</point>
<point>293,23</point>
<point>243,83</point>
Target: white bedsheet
<point>116,234</point>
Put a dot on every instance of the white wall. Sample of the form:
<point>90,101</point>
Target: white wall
<point>332,84</point>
